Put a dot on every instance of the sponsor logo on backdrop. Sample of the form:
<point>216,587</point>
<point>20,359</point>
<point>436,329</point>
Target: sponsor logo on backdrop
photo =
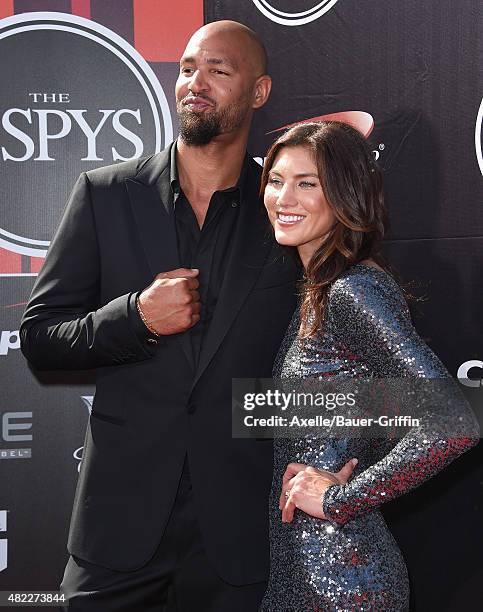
<point>92,100</point>
<point>464,371</point>
<point>12,423</point>
<point>77,454</point>
<point>478,144</point>
<point>376,152</point>
<point>3,541</point>
<point>360,120</point>
<point>9,340</point>
<point>279,14</point>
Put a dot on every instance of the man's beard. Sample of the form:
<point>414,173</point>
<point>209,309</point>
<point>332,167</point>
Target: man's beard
<point>197,129</point>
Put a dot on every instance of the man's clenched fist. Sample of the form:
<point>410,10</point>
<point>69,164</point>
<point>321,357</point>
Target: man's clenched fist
<point>171,303</point>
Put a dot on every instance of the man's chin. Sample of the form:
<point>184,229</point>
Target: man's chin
<point>197,137</point>
<point>196,128</point>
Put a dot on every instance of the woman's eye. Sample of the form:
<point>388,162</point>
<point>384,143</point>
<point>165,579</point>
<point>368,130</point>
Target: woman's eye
<point>274,181</point>
<point>306,184</point>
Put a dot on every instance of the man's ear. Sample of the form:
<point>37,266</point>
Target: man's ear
<point>263,86</point>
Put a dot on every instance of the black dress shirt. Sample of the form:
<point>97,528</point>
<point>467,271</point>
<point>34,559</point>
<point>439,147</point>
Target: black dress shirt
<point>207,248</point>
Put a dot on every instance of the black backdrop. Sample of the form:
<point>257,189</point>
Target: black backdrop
<point>412,65</point>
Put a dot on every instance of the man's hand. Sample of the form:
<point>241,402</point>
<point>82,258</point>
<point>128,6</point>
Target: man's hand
<point>305,486</point>
<point>171,303</point>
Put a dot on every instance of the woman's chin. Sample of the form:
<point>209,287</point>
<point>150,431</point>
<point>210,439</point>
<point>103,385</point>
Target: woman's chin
<point>285,240</point>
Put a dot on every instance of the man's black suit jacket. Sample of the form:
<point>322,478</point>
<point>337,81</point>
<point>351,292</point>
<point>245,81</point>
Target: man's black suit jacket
<point>151,406</point>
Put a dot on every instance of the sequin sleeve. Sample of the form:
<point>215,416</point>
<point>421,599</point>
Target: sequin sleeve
<point>371,318</point>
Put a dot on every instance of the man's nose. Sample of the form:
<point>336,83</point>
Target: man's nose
<point>197,82</point>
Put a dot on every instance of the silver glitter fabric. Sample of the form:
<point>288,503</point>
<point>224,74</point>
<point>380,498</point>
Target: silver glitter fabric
<point>351,562</point>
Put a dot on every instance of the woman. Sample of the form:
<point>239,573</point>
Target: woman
<point>330,547</point>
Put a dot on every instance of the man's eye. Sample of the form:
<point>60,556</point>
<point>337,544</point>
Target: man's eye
<point>186,70</point>
<point>219,72</point>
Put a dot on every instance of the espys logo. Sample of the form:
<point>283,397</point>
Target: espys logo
<point>88,101</point>
<point>294,18</point>
<point>478,146</point>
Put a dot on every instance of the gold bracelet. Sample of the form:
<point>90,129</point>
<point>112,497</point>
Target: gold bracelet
<point>141,314</point>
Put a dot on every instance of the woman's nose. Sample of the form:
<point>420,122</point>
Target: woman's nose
<point>286,197</point>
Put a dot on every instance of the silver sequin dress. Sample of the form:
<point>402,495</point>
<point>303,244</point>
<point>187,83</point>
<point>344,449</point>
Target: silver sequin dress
<point>351,561</point>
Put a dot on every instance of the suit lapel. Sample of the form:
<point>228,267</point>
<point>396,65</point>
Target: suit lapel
<point>252,243</point>
<point>151,203</point>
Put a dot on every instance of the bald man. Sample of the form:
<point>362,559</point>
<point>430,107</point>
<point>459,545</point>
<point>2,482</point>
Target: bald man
<point>164,278</point>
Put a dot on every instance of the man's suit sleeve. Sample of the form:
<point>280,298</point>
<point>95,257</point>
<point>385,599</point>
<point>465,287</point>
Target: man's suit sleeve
<point>64,325</point>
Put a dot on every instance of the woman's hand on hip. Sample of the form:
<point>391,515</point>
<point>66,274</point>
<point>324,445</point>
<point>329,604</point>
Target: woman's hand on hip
<point>303,487</point>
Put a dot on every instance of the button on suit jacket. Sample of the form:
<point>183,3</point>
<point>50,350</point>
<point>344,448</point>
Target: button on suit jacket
<point>152,406</point>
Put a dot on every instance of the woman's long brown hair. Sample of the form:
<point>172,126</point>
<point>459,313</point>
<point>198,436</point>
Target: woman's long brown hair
<point>353,187</point>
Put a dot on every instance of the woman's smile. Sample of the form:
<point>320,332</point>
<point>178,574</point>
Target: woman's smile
<point>286,219</point>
